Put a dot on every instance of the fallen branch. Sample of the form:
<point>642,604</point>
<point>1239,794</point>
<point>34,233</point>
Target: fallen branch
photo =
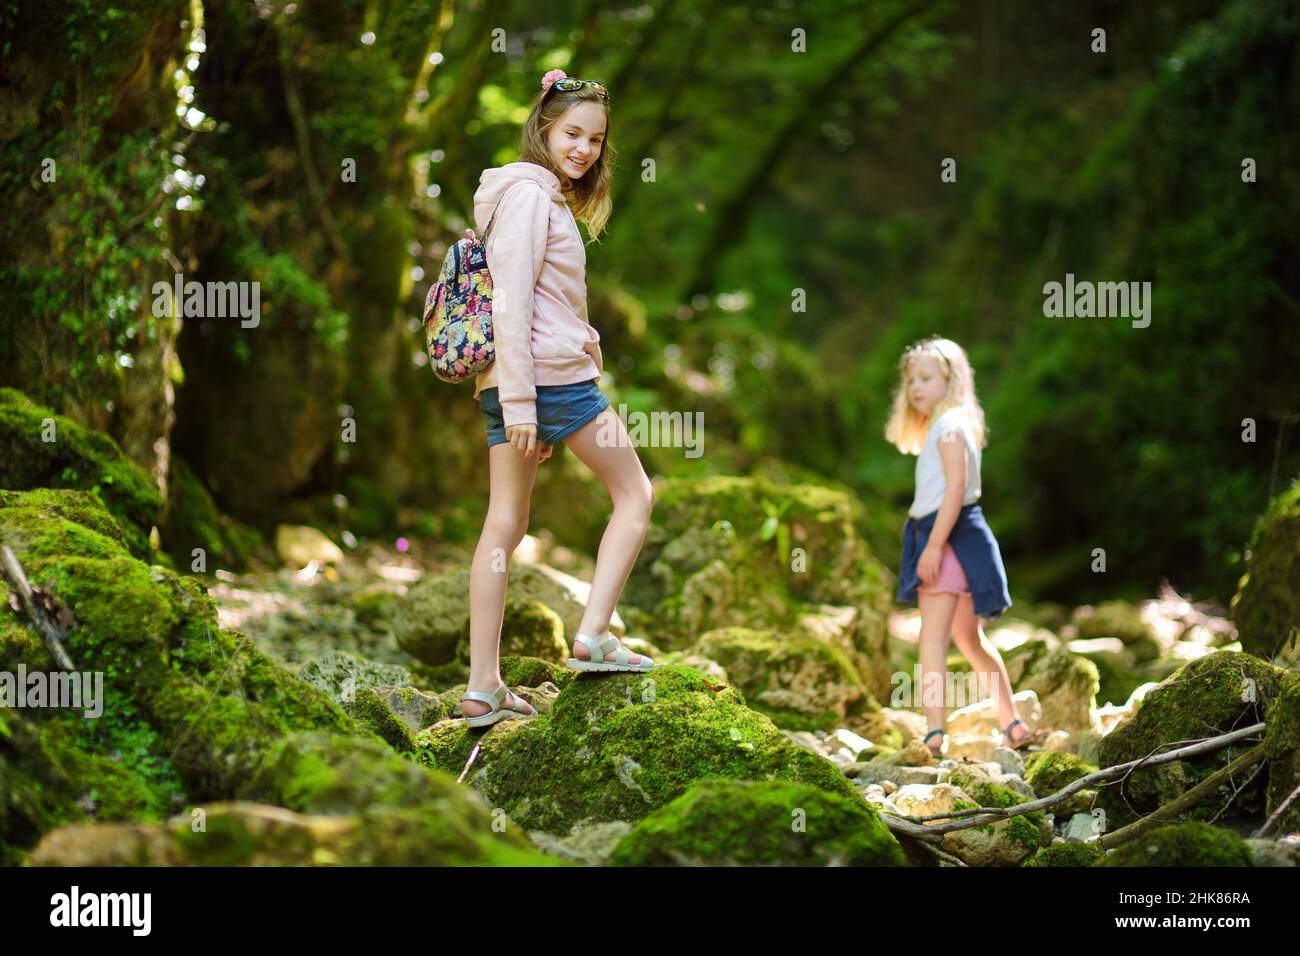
<point>1191,797</point>
<point>50,619</point>
<point>920,828</point>
<point>1281,809</point>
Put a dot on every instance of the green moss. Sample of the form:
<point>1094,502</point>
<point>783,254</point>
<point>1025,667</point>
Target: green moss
<point>208,692</point>
<point>78,458</point>
<point>1212,695</point>
<point>370,710</point>
<point>1027,829</point>
<point>1070,853</point>
<point>519,671</point>
<point>1048,771</point>
<point>1184,844</point>
<point>797,681</point>
<point>1266,607</point>
<point>742,551</point>
<point>1282,750</point>
<point>619,746</point>
<point>759,823</point>
<point>427,817</point>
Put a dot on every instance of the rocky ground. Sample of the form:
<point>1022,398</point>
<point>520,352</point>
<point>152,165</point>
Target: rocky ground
<point>307,712</point>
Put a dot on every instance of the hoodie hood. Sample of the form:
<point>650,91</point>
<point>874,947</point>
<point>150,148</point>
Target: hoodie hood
<point>494,183</point>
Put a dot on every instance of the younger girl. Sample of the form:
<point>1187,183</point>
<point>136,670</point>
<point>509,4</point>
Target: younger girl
<point>949,554</point>
<point>542,387</point>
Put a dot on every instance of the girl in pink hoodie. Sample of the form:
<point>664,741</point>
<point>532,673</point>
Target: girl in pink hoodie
<point>542,388</point>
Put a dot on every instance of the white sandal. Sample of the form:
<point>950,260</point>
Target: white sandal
<point>496,700</point>
<point>599,650</point>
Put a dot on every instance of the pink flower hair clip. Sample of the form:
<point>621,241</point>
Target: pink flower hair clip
<point>549,78</point>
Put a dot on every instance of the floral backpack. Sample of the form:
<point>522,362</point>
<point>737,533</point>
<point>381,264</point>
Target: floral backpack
<point>458,310</point>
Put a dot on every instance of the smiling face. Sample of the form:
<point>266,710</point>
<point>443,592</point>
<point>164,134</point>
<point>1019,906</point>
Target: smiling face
<point>926,386</point>
<point>577,137</point>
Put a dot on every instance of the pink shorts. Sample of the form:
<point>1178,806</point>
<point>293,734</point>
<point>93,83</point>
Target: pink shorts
<point>952,578</point>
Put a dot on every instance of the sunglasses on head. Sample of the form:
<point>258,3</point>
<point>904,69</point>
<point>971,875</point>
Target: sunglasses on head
<point>570,83</point>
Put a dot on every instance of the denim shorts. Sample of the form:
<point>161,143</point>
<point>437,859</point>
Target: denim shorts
<point>561,411</point>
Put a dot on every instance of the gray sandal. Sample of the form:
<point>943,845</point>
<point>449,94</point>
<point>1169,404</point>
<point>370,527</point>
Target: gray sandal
<point>599,650</point>
<point>496,700</point>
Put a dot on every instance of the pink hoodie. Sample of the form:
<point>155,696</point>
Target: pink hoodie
<point>539,289</point>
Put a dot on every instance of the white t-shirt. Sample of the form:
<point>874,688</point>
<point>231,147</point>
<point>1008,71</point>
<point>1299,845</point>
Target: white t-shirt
<point>930,482</point>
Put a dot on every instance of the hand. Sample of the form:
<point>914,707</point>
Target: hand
<point>545,453</point>
<point>927,566</point>
<point>524,437</point>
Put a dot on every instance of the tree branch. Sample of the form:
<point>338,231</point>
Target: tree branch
<point>50,619</point>
<point>918,827</point>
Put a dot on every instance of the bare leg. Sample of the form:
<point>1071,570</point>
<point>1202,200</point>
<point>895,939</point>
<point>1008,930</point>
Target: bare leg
<point>511,481</point>
<point>985,659</point>
<point>616,464</point>
<point>937,610</point>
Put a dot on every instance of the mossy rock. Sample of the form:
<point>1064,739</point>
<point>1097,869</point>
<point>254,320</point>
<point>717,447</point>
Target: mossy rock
<point>372,711</point>
<point>187,695</point>
<point>1266,607</point>
<point>1066,683</point>
<point>76,458</point>
<point>760,823</point>
<point>1030,830</point>
<point>47,780</point>
<point>431,621</point>
<point>1282,750</point>
<point>797,681</point>
<point>1049,771</point>
<point>528,629</point>
<point>727,551</point>
<point>534,672</point>
<point>1209,696</point>
<point>1070,853</point>
<point>242,833</point>
<point>620,746</point>
<point>1184,844</point>
<point>339,674</point>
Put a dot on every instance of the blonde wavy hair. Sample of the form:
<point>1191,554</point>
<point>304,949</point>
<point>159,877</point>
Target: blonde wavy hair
<point>907,428</point>
<point>588,196</point>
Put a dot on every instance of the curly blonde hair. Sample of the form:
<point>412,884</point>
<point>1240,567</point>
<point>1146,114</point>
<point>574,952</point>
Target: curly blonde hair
<point>907,428</point>
<point>588,196</point>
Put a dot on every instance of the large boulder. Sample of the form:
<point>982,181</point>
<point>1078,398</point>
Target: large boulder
<point>1266,607</point>
<point>760,823</point>
<point>194,713</point>
<point>1209,696</point>
<point>619,747</point>
<point>39,449</point>
<point>799,682</point>
<point>1184,844</point>
<point>431,620</point>
<point>1282,750</point>
<point>1066,684</point>
<point>242,833</point>
<point>725,551</point>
